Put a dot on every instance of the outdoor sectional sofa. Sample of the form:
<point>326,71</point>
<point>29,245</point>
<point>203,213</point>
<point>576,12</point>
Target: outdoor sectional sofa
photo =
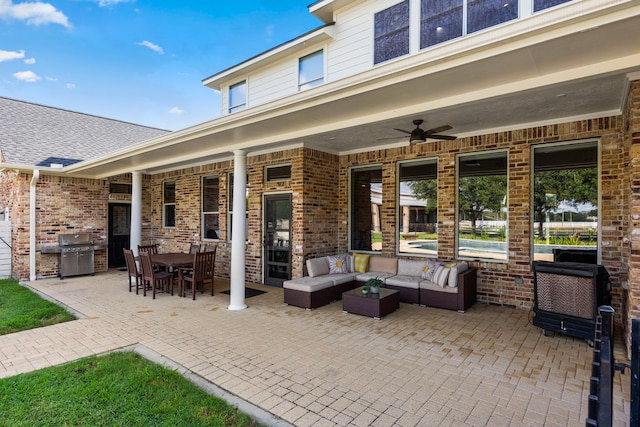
<point>449,285</point>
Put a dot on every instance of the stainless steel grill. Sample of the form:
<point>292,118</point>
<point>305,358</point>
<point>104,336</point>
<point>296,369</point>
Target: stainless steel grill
<point>76,254</point>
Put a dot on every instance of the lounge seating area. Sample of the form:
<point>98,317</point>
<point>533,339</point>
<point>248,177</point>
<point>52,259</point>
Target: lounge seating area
<point>450,285</point>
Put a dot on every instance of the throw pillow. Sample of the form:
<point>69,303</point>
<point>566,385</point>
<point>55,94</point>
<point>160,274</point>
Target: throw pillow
<point>441,276</point>
<point>361,262</point>
<point>430,269</point>
<point>337,264</point>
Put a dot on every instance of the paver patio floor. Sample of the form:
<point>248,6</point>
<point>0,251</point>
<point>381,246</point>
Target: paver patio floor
<point>418,366</point>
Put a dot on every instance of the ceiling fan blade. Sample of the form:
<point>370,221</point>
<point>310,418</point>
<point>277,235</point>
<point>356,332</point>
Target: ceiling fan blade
<point>438,129</point>
<point>447,137</point>
<point>402,130</point>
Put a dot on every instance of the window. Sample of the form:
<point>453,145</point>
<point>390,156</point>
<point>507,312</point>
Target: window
<point>482,206</point>
<point>169,204</point>
<point>366,198</point>
<point>210,208</point>
<point>483,14</point>
<point>238,97</point>
<point>539,5</point>
<point>418,207</point>
<point>440,20</point>
<point>391,32</point>
<point>230,208</point>
<point>311,70</point>
<point>278,173</point>
<point>119,188</point>
<point>565,198</point>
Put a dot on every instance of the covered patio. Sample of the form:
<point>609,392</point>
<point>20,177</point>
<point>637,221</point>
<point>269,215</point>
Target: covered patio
<point>417,366</point>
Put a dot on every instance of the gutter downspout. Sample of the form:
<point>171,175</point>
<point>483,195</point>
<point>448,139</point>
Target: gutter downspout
<point>32,224</point>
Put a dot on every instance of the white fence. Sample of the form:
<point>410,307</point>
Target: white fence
<point>5,249</point>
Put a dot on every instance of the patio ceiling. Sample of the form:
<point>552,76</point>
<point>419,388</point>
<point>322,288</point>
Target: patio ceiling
<point>508,85</point>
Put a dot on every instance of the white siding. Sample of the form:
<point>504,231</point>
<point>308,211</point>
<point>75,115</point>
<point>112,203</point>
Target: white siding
<point>351,51</point>
<point>5,250</point>
<point>277,81</point>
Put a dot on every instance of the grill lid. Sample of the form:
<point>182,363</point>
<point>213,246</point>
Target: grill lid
<point>75,239</point>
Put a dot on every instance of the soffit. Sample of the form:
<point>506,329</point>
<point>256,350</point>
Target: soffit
<point>576,76</point>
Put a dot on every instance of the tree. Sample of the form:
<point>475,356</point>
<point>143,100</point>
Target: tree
<point>571,186</point>
<point>426,189</point>
<point>479,194</point>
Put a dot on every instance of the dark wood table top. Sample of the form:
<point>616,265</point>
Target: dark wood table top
<point>173,259</point>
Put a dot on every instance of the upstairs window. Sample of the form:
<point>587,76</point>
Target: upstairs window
<point>440,20</point>
<point>483,14</point>
<point>210,207</point>
<point>391,32</point>
<point>539,5</point>
<point>238,97</point>
<point>311,70</point>
<point>169,204</point>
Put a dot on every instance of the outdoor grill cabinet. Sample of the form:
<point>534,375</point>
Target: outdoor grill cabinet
<point>567,296</point>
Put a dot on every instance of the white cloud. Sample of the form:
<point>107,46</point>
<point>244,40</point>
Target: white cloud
<point>70,85</point>
<point>176,110</point>
<point>51,79</point>
<point>34,13</point>
<point>153,47</point>
<point>27,76</point>
<point>30,61</point>
<point>6,55</point>
<point>106,3</point>
<point>269,30</point>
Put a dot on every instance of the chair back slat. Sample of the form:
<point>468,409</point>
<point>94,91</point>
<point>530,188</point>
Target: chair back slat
<point>152,249</point>
<point>147,266</point>
<point>194,248</point>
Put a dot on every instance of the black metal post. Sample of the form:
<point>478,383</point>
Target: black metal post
<point>635,373</point>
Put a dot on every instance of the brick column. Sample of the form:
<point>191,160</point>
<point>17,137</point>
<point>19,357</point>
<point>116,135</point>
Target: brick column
<point>632,121</point>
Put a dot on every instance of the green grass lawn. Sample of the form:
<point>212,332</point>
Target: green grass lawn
<point>21,309</point>
<point>119,389</point>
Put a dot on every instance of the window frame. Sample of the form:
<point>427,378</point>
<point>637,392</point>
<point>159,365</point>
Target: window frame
<point>352,170</point>
<point>314,81</point>
<point>278,178</point>
<point>474,157</point>
<point>399,210</point>
<point>204,213</point>
<point>166,206</point>
<point>597,143</point>
<point>234,108</point>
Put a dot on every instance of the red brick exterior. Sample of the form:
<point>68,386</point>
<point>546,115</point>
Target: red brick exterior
<point>319,186</point>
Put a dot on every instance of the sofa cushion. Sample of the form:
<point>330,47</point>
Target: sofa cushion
<point>339,279</point>
<point>360,262</point>
<point>380,264</point>
<point>430,269</point>
<point>308,284</point>
<point>411,267</point>
<point>430,286</point>
<point>317,266</point>
<point>441,276</point>
<point>363,277</point>
<point>456,268</point>
<point>337,264</point>
<point>403,280</point>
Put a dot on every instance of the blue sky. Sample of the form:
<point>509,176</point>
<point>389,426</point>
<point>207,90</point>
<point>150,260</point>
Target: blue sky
<point>138,61</point>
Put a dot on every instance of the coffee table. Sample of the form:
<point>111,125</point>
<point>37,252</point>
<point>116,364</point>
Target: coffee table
<point>369,304</point>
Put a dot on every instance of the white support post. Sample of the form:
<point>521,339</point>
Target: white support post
<point>238,262</point>
<point>136,212</point>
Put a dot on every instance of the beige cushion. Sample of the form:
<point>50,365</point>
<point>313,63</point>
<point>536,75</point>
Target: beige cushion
<point>308,284</point>
<point>341,278</point>
<point>428,285</point>
<point>404,281</point>
<point>363,277</point>
<point>459,267</point>
<point>382,264</point>
<point>410,267</point>
<point>317,266</point>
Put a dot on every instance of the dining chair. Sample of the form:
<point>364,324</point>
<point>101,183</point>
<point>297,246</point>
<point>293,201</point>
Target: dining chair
<point>195,247</point>
<point>210,247</point>
<point>132,269</point>
<point>156,279</point>
<point>152,249</point>
<point>202,271</point>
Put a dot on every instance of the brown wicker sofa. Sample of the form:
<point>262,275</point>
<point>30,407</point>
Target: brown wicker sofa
<point>455,288</point>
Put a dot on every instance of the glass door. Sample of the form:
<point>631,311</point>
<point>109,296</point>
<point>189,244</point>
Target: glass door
<point>119,232</point>
<point>277,239</point>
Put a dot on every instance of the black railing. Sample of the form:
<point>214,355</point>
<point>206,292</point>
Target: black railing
<point>635,373</point>
<point>602,367</point>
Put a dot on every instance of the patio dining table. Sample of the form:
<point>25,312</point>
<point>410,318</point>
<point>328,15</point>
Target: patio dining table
<point>173,259</point>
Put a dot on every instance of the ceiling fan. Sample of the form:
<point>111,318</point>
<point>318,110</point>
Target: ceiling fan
<point>420,135</point>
